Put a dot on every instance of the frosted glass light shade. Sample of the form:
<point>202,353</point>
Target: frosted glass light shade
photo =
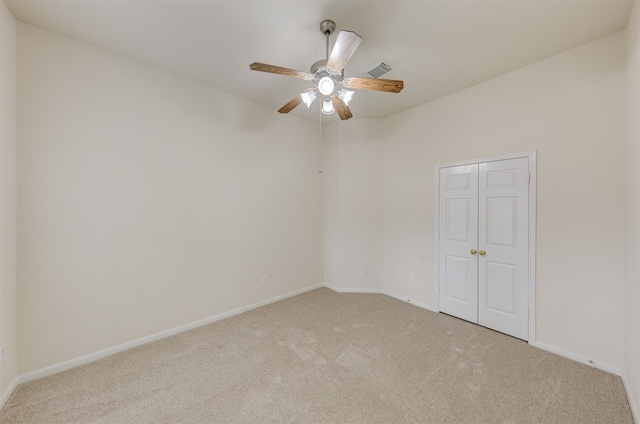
<point>346,96</point>
<point>327,106</point>
<point>308,96</point>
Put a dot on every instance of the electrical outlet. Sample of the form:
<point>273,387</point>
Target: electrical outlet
<point>264,280</point>
<point>412,279</point>
<point>365,272</point>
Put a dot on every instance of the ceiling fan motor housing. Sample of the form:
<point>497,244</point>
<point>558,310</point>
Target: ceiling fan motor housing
<point>319,70</point>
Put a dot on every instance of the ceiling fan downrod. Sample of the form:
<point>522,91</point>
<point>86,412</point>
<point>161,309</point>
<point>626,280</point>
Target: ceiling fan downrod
<point>327,27</point>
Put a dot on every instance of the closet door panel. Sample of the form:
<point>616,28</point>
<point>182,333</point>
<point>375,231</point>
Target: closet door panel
<point>458,236</point>
<point>503,244</point>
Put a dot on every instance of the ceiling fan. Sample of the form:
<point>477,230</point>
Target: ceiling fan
<point>327,76</point>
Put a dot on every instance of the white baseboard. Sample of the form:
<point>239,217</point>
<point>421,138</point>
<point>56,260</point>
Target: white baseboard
<point>635,414</point>
<point>9,391</point>
<point>382,291</point>
<point>409,300</point>
<point>577,357</point>
<point>553,349</point>
<point>44,372</point>
<point>351,290</point>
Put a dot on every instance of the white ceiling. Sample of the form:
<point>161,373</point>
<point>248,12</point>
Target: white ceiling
<point>437,47</point>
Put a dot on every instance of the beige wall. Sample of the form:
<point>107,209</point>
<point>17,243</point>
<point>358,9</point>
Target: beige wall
<point>631,359</point>
<point>8,199</point>
<point>352,169</point>
<point>331,178</point>
<point>570,108</point>
<point>148,201</point>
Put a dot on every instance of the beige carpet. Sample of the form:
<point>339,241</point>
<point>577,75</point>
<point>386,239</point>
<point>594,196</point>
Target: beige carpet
<point>324,357</point>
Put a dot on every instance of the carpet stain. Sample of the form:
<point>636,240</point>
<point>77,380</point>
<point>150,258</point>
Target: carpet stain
<point>349,358</point>
<point>473,388</point>
<point>303,344</point>
<point>374,352</point>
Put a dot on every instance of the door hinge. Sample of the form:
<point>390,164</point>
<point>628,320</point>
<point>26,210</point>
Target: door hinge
<point>529,180</point>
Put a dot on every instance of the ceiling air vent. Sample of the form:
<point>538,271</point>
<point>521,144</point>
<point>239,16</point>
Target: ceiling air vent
<point>379,68</point>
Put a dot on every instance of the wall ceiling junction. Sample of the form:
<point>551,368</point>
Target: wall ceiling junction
<point>436,47</point>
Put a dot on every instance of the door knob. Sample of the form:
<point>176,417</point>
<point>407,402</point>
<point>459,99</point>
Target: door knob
<point>482,253</point>
<point>473,251</point>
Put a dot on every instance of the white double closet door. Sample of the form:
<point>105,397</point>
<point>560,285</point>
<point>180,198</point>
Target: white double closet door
<point>483,264</point>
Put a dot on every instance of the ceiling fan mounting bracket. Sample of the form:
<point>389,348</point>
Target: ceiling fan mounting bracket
<point>327,27</point>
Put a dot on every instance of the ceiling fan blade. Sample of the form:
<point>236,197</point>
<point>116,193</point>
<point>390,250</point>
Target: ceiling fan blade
<point>263,67</point>
<point>390,86</point>
<point>291,104</point>
<point>343,49</point>
<point>341,108</point>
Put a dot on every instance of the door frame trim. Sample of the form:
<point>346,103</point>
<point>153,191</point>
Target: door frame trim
<point>531,156</point>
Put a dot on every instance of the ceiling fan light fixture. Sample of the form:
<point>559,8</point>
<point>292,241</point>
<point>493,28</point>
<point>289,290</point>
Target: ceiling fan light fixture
<point>327,74</point>
<point>325,86</point>
<point>346,96</point>
<point>308,96</point>
<point>327,106</point>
